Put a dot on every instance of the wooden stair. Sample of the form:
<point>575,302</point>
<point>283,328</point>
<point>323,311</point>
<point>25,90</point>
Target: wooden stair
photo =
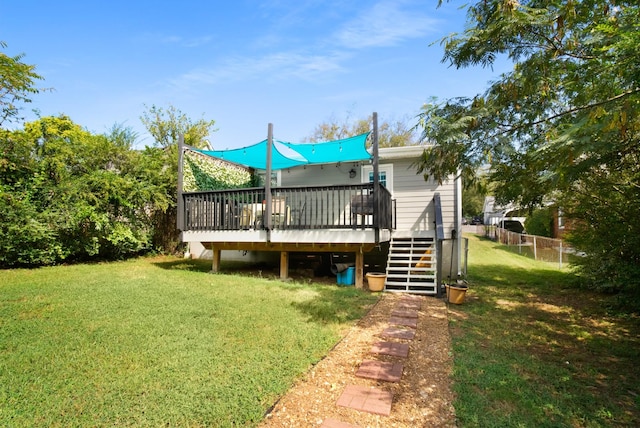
<point>412,265</point>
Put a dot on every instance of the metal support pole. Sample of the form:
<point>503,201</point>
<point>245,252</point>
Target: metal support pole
<point>560,254</point>
<point>180,201</point>
<point>267,181</point>
<point>376,181</point>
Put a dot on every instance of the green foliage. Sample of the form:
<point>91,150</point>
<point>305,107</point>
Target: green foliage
<point>204,173</point>
<point>540,222</point>
<point>26,235</point>
<point>390,134</point>
<point>473,194</point>
<point>17,84</point>
<point>564,124</point>
<point>606,205</point>
<point>167,125</point>
<point>69,195</point>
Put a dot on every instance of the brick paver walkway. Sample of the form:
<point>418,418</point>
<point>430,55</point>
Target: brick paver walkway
<point>394,349</point>
<point>373,400</point>
<point>366,399</point>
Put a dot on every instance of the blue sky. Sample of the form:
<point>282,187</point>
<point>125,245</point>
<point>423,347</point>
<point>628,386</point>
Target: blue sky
<point>242,63</point>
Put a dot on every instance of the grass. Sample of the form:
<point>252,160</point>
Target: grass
<point>531,350</point>
<point>153,342</point>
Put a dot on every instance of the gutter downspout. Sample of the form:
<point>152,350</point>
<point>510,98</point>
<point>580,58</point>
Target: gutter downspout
<point>459,239</point>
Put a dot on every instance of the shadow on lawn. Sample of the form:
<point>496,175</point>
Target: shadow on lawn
<point>330,303</point>
<point>333,304</point>
<point>196,265</point>
<point>569,337</point>
<point>226,267</point>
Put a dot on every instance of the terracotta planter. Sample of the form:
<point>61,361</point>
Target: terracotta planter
<point>376,281</point>
<point>456,293</point>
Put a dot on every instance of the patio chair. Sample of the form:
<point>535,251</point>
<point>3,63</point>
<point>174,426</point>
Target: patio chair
<point>280,212</point>
<point>361,205</point>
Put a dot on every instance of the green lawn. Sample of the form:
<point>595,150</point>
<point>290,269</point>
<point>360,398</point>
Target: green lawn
<point>153,342</point>
<point>530,350</point>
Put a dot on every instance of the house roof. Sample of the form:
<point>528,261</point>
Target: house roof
<point>402,152</point>
<point>288,155</point>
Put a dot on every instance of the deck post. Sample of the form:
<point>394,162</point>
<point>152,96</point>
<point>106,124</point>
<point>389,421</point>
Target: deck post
<point>376,180</point>
<point>180,200</point>
<point>284,264</point>
<point>267,182</point>
<point>359,269</point>
<point>215,265</point>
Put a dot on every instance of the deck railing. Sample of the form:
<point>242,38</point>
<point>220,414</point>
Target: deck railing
<point>292,207</point>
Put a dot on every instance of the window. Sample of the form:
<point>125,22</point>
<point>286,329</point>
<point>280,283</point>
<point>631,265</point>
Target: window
<point>560,219</point>
<point>276,178</point>
<point>385,175</point>
<point>382,177</point>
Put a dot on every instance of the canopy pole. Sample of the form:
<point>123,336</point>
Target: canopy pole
<point>267,181</point>
<point>180,200</point>
<point>376,181</point>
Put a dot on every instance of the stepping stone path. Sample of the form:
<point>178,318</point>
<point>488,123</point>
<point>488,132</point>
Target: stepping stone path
<point>394,349</point>
<point>407,322</point>
<point>380,370</point>
<point>398,333</point>
<point>366,399</point>
<point>333,423</point>
<point>405,313</point>
<point>402,324</point>
<point>408,306</point>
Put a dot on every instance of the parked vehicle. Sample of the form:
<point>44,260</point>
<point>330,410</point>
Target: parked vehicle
<point>477,220</point>
<point>512,225</point>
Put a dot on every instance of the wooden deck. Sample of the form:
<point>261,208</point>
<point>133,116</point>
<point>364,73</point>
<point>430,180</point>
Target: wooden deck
<point>343,218</point>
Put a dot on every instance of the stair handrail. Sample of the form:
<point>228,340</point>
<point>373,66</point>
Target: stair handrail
<point>437,204</point>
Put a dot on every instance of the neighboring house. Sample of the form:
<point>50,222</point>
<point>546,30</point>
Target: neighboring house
<point>326,198</point>
<point>561,225</point>
<point>495,214</point>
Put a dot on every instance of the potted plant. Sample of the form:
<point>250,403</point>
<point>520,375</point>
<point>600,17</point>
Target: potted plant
<point>457,291</point>
<point>376,280</point>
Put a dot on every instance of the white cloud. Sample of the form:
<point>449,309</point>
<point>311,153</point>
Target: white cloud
<point>385,24</point>
<point>276,66</point>
<point>187,42</point>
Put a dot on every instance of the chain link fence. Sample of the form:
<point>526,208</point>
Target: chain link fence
<point>533,246</point>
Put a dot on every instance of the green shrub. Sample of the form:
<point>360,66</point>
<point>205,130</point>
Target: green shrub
<point>540,222</point>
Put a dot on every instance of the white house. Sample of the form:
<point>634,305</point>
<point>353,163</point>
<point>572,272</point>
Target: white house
<point>325,197</point>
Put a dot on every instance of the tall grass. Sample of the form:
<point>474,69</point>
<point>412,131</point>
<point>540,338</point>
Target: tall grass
<point>531,350</point>
<point>153,342</point>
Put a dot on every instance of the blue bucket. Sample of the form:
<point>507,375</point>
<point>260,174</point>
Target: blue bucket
<point>347,277</point>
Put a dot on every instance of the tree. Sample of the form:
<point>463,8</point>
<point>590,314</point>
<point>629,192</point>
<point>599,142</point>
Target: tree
<point>473,194</point>
<point>166,125</point>
<point>390,134</point>
<point>68,195</point>
<point>563,124</point>
<point>17,83</point>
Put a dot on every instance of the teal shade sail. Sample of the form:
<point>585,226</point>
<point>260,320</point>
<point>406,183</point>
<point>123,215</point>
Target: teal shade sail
<point>288,155</point>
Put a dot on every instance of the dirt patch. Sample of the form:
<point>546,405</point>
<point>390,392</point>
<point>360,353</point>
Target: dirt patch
<point>422,398</point>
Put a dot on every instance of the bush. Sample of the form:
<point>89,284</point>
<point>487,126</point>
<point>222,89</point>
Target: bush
<point>540,222</point>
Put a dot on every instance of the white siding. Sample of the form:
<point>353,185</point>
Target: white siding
<point>325,175</point>
<point>413,195</point>
<point>414,199</point>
